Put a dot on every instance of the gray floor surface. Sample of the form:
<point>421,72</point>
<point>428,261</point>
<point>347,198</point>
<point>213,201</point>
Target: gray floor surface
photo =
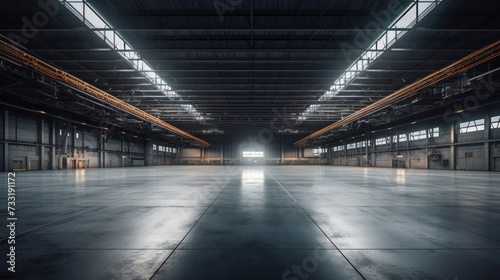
<point>269,222</point>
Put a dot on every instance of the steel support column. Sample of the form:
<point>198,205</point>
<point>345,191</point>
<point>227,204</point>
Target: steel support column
<point>6,138</point>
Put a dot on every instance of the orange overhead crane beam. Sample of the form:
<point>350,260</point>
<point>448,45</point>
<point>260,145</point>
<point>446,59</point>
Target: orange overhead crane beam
<point>51,71</point>
<point>458,67</point>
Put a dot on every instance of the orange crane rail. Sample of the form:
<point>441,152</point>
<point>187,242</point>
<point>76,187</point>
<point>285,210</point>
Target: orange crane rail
<point>51,71</point>
<point>458,67</point>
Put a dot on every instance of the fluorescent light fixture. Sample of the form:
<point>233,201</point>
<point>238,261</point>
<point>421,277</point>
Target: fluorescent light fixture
<point>96,22</point>
<point>407,20</point>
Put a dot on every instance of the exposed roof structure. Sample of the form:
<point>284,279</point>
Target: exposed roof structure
<point>233,65</point>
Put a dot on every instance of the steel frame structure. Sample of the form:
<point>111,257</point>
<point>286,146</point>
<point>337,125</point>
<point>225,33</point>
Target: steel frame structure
<point>28,60</point>
<point>458,67</point>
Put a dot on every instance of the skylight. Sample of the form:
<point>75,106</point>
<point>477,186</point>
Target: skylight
<point>98,24</point>
<point>407,20</point>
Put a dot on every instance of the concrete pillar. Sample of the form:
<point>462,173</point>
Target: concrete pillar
<point>487,126</point>
<point>130,151</point>
<point>427,149</point>
<point>221,152</point>
<point>41,131</point>
<point>6,138</point>
<point>103,147</point>
<point>202,155</point>
<point>374,153</point>
<point>148,153</point>
<point>52,142</point>
<point>453,149</point>
<point>73,143</point>
<point>83,143</point>
<point>123,152</point>
<point>282,150</point>
<point>100,145</point>
<point>367,152</point>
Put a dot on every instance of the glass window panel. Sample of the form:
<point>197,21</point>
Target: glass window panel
<point>495,122</point>
<point>418,135</point>
<point>423,8</point>
<point>119,43</point>
<point>391,35</point>
<point>472,126</point>
<point>253,154</point>
<point>403,138</point>
<point>93,19</point>
<point>408,20</point>
<point>77,7</point>
<point>381,141</point>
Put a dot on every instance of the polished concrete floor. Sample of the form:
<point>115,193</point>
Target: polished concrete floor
<point>258,223</point>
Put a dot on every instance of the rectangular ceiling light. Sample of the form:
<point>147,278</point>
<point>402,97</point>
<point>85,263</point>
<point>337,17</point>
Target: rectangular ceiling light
<point>98,24</point>
<point>407,20</point>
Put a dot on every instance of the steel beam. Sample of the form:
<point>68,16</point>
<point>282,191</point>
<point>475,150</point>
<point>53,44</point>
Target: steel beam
<point>456,68</point>
<point>53,72</point>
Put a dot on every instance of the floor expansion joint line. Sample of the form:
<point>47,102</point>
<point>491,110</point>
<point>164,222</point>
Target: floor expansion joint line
<point>470,231</point>
<point>180,242</point>
<point>345,257</point>
<point>85,212</point>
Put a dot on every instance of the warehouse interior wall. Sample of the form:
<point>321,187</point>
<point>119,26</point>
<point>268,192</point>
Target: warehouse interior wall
<point>228,149</point>
<point>466,142</point>
<point>35,141</point>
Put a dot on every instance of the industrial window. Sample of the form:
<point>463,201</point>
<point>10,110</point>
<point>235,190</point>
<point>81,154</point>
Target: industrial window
<point>77,136</point>
<point>495,122</point>
<point>175,150</point>
<point>253,154</point>
<point>154,147</point>
<point>85,12</point>
<point>434,132</point>
<point>362,144</point>
<point>351,146</point>
<point>406,20</point>
<point>319,151</point>
<point>418,135</point>
<point>382,141</point>
<point>335,149</point>
<point>472,126</point>
<point>402,138</point>
<point>340,148</point>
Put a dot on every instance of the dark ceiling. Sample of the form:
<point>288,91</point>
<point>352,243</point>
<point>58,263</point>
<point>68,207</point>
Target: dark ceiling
<point>257,62</point>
